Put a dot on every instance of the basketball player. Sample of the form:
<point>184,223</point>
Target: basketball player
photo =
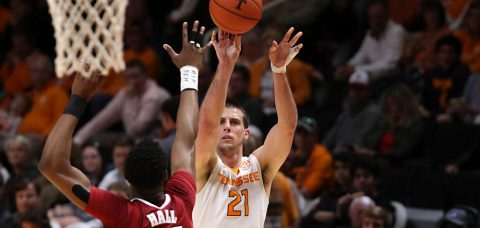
<point>233,191</point>
<point>160,202</point>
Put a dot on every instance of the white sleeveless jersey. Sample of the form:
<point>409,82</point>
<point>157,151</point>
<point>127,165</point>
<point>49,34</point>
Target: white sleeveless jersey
<point>230,200</point>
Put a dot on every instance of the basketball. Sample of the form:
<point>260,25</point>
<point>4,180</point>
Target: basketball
<point>235,16</point>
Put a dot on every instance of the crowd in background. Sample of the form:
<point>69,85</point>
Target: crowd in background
<point>388,92</point>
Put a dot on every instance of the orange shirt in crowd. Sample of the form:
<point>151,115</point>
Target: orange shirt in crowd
<point>281,192</point>
<point>298,75</point>
<point>16,79</point>
<point>471,50</point>
<point>47,106</point>
<point>317,175</point>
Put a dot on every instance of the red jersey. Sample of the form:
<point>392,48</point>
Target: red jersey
<point>174,211</point>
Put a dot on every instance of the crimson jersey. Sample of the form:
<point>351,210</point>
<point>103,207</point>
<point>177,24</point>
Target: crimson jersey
<point>174,211</point>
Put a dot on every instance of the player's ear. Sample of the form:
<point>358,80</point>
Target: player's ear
<point>247,134</point>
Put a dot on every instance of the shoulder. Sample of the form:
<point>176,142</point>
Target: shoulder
<point>320,151</point>
<point>155,91</point>
<point>181,179</point>
<point>395,28</point>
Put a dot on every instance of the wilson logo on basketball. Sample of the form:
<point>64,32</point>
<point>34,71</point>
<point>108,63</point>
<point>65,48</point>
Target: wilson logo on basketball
<point>240,3</point>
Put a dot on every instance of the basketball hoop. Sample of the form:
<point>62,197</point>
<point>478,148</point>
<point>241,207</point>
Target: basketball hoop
<point>88,30</point>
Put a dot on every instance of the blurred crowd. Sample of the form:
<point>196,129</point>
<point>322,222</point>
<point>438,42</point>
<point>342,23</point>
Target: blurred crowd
<point>380,86</point>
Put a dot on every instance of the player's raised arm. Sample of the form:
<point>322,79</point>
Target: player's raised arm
<point>227,48</point>
<point>188,61</point>
<point>279,140</point>
<point>55,161</point>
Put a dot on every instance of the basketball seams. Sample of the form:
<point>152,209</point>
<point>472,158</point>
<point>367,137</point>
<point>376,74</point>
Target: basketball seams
<point>255,2</point>
<point>218,21</point>
<point>236,14</point>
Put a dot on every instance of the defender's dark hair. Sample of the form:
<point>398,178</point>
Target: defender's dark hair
<point>136,63</point>
<point>170,107</point>
<point>146,165</point>
<point>246,119</point>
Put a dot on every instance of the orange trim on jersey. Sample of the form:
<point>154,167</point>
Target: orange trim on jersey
<point>235,170</point>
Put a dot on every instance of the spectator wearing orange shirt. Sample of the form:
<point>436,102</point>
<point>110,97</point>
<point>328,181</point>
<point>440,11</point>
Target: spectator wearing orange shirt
<point>419,49</point>
<point>48,100</point>
<point>312,162</point>
<point>15,73</point>
<point>139,48</point>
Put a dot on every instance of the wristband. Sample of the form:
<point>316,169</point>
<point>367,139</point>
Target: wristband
<point>188,78</point>
<point>76,106</point>
<point>279,70</point>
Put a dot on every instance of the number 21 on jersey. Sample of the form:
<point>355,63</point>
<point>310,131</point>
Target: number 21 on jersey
<point>237,198</point>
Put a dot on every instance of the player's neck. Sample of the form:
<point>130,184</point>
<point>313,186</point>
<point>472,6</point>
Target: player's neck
<point>231,158</point>
<point>155,196</point>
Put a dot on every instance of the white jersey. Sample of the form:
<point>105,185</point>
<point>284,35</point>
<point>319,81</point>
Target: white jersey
<point>230,200</point>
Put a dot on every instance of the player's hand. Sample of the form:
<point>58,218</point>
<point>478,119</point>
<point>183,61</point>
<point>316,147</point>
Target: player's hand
<point>192,52</point>
<point>227,47</point>
<point>279,52</point>
<point>86,87</point>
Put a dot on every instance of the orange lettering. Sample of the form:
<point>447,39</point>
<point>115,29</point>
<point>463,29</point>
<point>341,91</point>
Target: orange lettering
<point>245,179</point>
<point>239,181</point>
<point>255,176</point>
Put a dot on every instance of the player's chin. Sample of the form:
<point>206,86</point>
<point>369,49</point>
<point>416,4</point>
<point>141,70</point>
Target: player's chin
<point>225,146</point>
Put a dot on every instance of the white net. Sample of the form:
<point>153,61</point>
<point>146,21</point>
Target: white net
<point>90,30</point>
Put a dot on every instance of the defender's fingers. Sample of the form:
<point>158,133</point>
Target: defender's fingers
<point>295,38</point>
<point>185,33</point>
<point>287,36</point>
<point>206,47</point>
<point>194,32</point>
<point>199,40</point>
<point>169,50</point>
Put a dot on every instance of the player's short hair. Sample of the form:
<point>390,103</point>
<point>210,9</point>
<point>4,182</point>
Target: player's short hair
<point>246,119</point>
<point>146,165</point>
